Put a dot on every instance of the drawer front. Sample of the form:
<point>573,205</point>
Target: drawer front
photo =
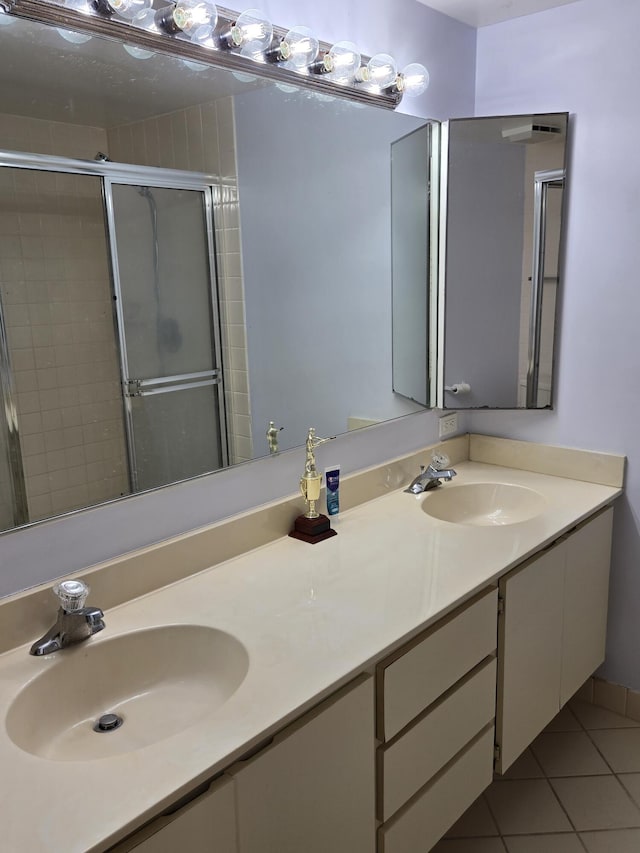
<point>411,761</point>
<point>441,803</point>
<point>408,683</point>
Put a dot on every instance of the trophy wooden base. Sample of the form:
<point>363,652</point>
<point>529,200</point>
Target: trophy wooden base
<point>312,530</point>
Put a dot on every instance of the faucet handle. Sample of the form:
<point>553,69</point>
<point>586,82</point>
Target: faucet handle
<point>72,594</point>
<point>440,461</point>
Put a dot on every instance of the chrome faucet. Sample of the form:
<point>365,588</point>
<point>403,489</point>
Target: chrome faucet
<point>75,622</point>
<point>432,476</point>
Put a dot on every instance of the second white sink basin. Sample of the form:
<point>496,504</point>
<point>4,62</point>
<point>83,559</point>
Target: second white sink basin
<point>158,681</point>
<point>483,504</point>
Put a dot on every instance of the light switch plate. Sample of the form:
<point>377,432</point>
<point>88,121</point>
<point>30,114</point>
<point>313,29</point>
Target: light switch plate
<point>448,425</point>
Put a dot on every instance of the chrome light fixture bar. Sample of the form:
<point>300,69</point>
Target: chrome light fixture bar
<point>198,31</point>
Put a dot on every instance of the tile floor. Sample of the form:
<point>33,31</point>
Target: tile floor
<point>576,789</point>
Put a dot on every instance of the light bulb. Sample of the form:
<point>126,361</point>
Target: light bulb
<point>195,19</point>
<point>299,48</point>
<point>413,80</point>
<point>342,61</point>
<point>138,52</point>
<point>146,20</point>
<point>83,6</point>
<point>124,8</point>
<point>73,37</point>
<point>381,71</point>
<point>252,32</point>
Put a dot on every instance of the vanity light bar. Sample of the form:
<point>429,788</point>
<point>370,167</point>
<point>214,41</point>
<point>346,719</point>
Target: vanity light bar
<point>198,31</point>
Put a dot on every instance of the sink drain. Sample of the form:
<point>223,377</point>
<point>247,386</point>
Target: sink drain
<point>108,723</point>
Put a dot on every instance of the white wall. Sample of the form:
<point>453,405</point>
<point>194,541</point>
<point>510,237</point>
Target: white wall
<point>584,58</point>
<point>54,548</point>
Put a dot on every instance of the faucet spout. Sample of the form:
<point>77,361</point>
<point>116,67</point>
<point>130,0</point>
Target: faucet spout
<point>430,478</point>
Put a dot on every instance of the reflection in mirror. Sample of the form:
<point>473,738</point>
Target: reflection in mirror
<point>410,261</point>
<point>146,317</point>
<point>503,230</point>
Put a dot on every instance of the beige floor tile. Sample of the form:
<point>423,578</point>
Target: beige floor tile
<point>568,754</point>
<point>565,721</point>
<point>597,802</point>
<point>620,747</point>
<point>617,841</point>
<point>469,845</point>
<point>593,717</point>
<point>526,806</point>
<point>526,767</point>
<point>476,821</point>
<point>631,782</point>
<point>556,843</point>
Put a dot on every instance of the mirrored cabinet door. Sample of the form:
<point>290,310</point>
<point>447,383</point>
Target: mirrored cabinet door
<point>501,238</point>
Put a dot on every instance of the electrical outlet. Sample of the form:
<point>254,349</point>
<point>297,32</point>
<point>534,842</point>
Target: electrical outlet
<point>448,424</point>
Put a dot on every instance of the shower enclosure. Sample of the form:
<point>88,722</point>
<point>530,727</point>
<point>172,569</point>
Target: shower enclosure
<point>110,352</point>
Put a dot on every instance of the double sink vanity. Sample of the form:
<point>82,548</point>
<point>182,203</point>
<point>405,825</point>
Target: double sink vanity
<point>354,696</point>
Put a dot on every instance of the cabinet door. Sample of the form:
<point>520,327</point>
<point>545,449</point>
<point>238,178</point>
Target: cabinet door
<point>529,652</point>
<point>313,788</point>
<point>586,593</point>
<point>204,825</point>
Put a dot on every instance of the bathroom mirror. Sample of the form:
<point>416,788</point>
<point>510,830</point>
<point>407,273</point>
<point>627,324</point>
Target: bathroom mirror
<point>282,264</point>
<point>501,232</point>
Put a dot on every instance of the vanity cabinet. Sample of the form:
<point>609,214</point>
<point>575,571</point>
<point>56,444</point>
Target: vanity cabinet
<point>205,824</point>
<point>551,632</point>
<point>435,722</point>
<point>313,788</point>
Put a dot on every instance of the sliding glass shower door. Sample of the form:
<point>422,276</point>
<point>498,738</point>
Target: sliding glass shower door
<point>162,259</point>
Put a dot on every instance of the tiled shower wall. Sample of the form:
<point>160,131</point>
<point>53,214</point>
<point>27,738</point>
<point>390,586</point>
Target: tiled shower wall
<point>202,139</point>
<point>56,296</point>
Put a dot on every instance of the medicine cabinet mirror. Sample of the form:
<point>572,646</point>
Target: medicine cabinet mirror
<point>501,226</point>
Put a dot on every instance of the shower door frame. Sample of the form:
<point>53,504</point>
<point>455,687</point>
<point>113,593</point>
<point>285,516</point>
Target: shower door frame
<point>172,179</point>
<point>119,173</point>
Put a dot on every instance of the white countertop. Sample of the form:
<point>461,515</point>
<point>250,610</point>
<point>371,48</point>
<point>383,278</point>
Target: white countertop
<point>310,617</point>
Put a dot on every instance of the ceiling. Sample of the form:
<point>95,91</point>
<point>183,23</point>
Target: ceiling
<point>481,13</point>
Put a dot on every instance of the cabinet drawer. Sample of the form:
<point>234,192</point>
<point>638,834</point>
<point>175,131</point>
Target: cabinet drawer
<point>437,807</point>
<point>408,763</point>
<point>414,677</point>
<point>205,823</point>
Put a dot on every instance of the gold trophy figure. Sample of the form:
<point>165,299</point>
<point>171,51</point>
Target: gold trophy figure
<point>312,526</point>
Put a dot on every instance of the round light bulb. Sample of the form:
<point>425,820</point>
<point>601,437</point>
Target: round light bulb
<point>73,37</point>
<point>413,80</point>
<point>146,20</point>
<point>342,61</point>
<point>138,52</point>
<point>128,8</point>
<point>252,32</point>
<point>381,71</point>
<point>83,6</point>
<point>299,48</point>
<point>196,19</point>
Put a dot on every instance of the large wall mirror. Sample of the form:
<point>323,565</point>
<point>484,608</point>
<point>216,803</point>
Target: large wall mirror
<point>186,255</point>
<point>501,228</point>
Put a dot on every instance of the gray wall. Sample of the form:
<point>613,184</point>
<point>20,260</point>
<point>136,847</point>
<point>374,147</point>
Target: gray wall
<point>583,57</point>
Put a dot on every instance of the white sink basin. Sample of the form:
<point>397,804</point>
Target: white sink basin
<point>483,504</point>
<point>159,681</point>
